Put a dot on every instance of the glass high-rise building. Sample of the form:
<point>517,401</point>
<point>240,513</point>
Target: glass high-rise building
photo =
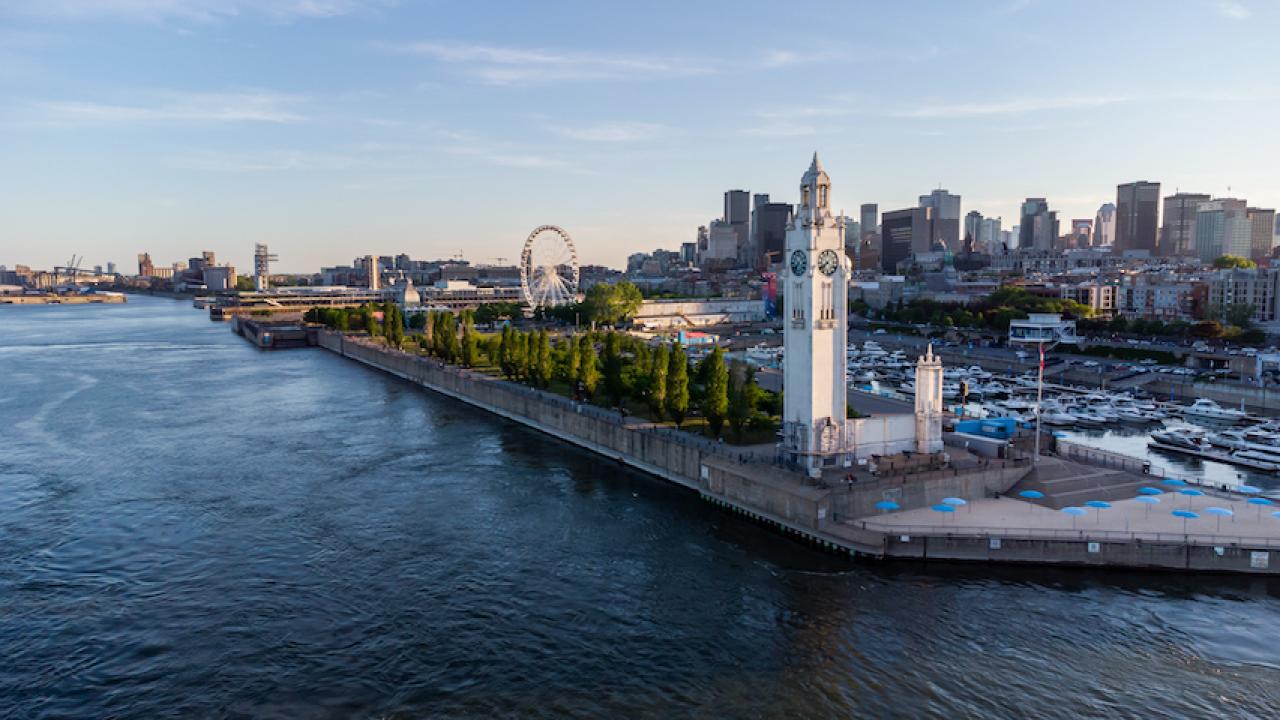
<point>1178,234</point>
<point>870,221</point>
<point>1104,226</point>
<point>944,219</point>
<point>1038,229</point>
<point>1137,216</point>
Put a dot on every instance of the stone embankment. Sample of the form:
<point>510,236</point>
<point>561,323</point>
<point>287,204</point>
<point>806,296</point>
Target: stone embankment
<point>840,517</point>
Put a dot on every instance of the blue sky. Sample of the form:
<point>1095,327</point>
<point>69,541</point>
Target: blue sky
<point>336,128</point>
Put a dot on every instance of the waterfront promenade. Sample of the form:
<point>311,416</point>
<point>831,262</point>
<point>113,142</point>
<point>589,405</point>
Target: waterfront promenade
<point>841,517</point>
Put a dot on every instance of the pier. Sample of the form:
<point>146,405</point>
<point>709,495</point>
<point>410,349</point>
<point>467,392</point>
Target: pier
<point>991,527</point>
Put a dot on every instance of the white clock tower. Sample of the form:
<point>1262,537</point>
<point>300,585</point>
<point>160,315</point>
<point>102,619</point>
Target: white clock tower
<point>816,292</point>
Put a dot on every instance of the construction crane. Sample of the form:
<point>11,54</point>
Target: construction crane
<point>72,269</point>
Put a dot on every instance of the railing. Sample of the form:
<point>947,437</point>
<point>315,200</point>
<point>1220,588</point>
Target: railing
<point>1106,458</point>
<point>1083,534</point>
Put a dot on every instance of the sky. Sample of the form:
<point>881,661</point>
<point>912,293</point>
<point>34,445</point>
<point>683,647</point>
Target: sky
<point>332,129</point>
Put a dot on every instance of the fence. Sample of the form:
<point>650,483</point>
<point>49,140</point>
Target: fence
<point>1086,535</point>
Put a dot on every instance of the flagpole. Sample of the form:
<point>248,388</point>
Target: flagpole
<point>1039,397</point>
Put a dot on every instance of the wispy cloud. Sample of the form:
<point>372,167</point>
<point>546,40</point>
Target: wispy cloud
<point>1233,10</point>
<point>509,65</point>
<point>253,106</point>
<point>200,11</point>
<point>614,132</point>
<point>502,153</point>
<point>781,130</point>
<point>259,162</point>
<point>1008,107</point>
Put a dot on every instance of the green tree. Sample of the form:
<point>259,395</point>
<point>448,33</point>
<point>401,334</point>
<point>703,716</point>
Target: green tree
<point>507,352</point>
<point>744,395</point>
<point>493,349</point>
<point>571,362</point>
<point>1229,262</point>
<point>715,406</point>
<point>588,374</point>
<point>678,385</point>
<point>612,304</point>
<point>613,385</point>
<point>658,381</point>
<point>469,346</point>
<point>366,319</point>
<point>542,360</point>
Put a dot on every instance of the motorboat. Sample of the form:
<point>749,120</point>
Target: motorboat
<point>1186,438</point>
<point>1206,409</point>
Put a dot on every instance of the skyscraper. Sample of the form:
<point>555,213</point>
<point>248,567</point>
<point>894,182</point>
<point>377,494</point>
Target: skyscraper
<point>1081,233</point>
<point>1038,229</point>
<point>972,231</point>
<point>1261,225</point>
<point>991,237</point>
<point>737,212</point>
<point>870,222</point>
<point>944,219</point>
<point>1178,235</point>
<point>1104,226</point>
<point>896,232</point>
<point>1223,228</point>
<point>769,222</point>
<point>1137,216</point>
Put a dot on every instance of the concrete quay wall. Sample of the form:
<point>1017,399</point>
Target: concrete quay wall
<point>760,491</point>
<point>1083,551</point>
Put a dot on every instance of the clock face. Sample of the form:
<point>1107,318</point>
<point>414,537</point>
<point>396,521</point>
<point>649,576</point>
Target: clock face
<point>799,262</point>
<point>828,261</point>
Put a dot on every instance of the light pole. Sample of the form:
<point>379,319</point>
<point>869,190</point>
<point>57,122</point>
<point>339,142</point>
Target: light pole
<point>1039,397</point>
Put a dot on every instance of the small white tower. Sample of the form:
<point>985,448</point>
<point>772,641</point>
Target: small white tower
<point>816,293</point>
<point>929,402</point>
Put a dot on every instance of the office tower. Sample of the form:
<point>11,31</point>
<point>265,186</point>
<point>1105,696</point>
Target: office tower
<point>1104,226</point>
<point>769,222</point>
<point>990,236</point>
<point>972,230</point>
<point>111,268</point>
<point>1178,234</point>
<point>897,233</point>
<point>1038,229</point>
<point>870,223</point>
<point>1261,232</point>
<point>1081,233</point>
<point>944,219</point>
<point>737,212</point>
<point>373,271</point>
<point>1223,228</point>
<point>145,266</point>
<point>1007,240</point>
<point>1137,211</point>
<point>689,252</point>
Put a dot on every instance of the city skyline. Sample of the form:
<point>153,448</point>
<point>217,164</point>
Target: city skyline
<point>336,129</point>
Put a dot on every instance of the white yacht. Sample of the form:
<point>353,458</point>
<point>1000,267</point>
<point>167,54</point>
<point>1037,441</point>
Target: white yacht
<point>1206,409</point>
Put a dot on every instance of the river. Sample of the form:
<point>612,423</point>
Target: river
<point>190,527</point>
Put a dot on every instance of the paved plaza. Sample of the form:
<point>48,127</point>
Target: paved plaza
<point>1125,519</point>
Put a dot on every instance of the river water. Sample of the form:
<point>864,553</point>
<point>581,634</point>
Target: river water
<point>190,527</point>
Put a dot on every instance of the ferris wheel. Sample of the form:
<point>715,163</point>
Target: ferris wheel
<point>548,268</point>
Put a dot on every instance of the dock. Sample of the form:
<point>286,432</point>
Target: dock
<point>840,517</point>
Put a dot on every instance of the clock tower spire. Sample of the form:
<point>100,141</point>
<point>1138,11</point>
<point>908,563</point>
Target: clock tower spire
<point>815,431</point>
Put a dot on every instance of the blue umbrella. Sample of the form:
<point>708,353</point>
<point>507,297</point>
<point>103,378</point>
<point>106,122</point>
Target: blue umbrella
<point>1259,501</point>
<point>1185,515</point>
<point>1031,495</point>
<point>954,501</point>
<point>1249,489</point>
<point>1074,512</point>
<point>1099,506</point>
<point>1190,493</point>
<point>943,509</point>
<point>1150,491</point>
<point>1148,500</point>
<point>887,505</point>
<point>1175,482</point>
<point>1221,512</point>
